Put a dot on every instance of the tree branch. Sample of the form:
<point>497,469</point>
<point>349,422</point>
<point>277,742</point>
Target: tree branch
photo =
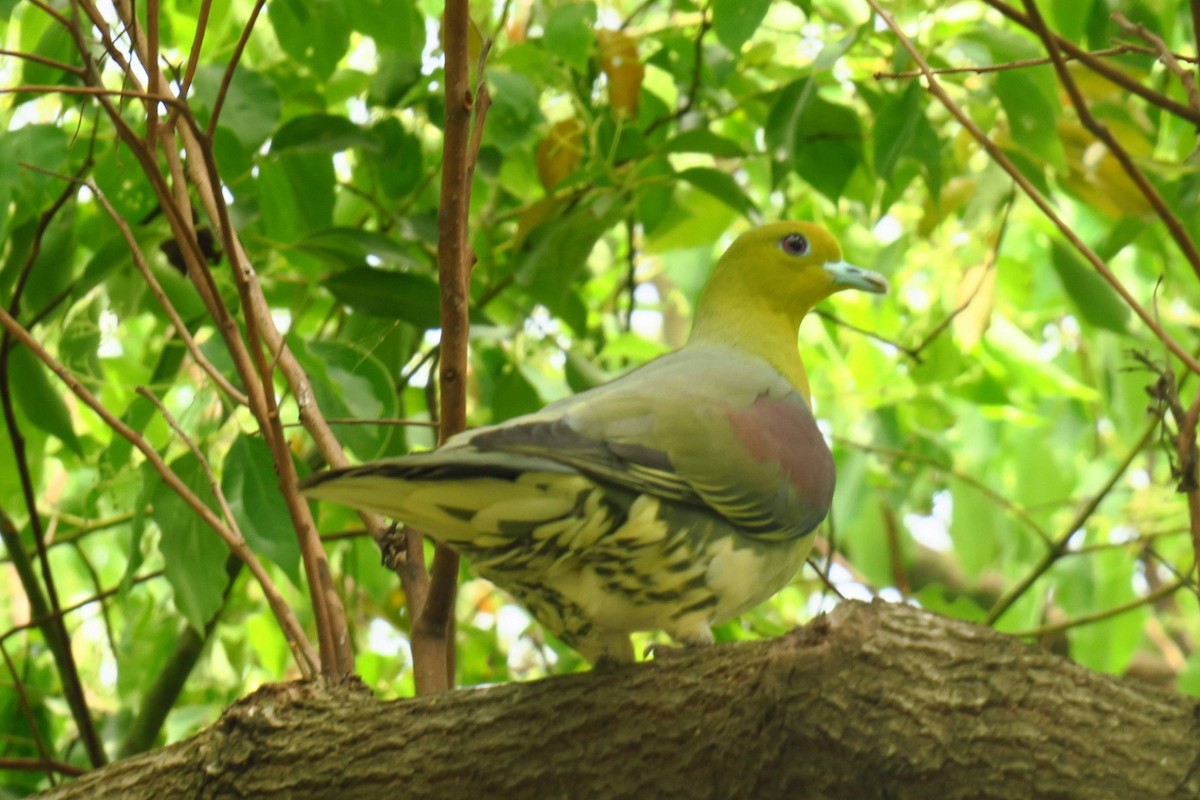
<point>895,702</point>
<point>1108,71</point>
<point>1004,162</point>
<point>1098,129</point>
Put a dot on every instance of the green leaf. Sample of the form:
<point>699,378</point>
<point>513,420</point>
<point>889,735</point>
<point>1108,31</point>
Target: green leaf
<point>53,271</point>
<point>39,399</point>
<point>250,485</point>
<point>894,127</point>
<point>43,146</point>
<point>702,140</point>
<point>315,33</point>
<point>150,481</point>
<point>55,44</point>
<point>322,133</point>
<point>735,21</point>
<point>393,24</point>
<point>295,194</point>
<point>1097,302</point>
<point>514,115</point>
<point>555,254</point>
<point>721,186</point>
<point>398,72</point>
<point>1031,114</point>
<point>392,295</point>
<point>821,141</point>
<point>1087,585</point>
<point>354,247</point>
<point>656,197</point>
<point>350,383</point>
<point>193,554</point>
<point>252,105</point>
<point>397,164</point>
<point>570,34</point>
<point>977,528</point>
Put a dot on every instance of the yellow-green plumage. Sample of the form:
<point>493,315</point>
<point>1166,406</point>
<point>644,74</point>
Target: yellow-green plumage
<point>675,497</point>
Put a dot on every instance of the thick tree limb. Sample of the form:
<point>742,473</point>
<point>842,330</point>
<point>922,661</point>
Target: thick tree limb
<point>874,701</point>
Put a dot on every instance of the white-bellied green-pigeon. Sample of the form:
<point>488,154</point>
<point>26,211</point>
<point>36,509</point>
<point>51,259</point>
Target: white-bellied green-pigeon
<point>672,498</point>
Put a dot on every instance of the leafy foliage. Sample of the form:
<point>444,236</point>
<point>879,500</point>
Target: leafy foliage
<point>997,460</point>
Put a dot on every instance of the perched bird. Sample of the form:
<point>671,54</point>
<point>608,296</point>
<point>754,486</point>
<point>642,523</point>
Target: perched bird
<point>675,497</point>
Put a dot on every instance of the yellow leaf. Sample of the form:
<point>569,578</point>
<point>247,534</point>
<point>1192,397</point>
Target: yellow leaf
<point>977,291</point>
<point>559,153</point>
<point>620,64</point>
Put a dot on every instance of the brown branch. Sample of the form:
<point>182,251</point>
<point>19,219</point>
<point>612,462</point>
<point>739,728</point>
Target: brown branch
<point>432,642</point>
<point>27,711</point>
<point>1169,59</point>
<point>1098,129</point>
<point>1099,616</point>
<point>41,765</point>
<point>1004,162</point>
<point>1189,468</point>
<point>70,69</point>
<point>248,356</point>
<point>1195,6</point>
<point>58,640</point>
<point>1058,548</point>
<point>1106,70</point>
<point>139,260</point>
<point>689,100</point>
<point>233,540</point>
<point>227,78</point>
<point>193,61</point>
<point>302,651</point>
<point>51,12</point>
<point>1119,49</point>
<point>642,7</point>
<point>996,497</point>
<point>154,72</point>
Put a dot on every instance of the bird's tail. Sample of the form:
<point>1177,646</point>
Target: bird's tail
<point>457,496</point>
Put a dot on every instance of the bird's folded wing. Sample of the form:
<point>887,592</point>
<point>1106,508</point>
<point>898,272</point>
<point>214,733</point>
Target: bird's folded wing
<point>756,457</point>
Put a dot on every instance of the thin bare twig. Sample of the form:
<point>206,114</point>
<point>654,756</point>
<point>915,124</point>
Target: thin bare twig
<point>1106,70</point>
<point>227,78</point>
<point>302,650</point>
<point>248,356</point>
<point>1058,547</point>
<point>1175,227</point>
<point>689,100</point>
<point>56,634</point>
<point>287,620</point>
<point>37,622</point>
<point>139,260</point>
<point>1004,162</point>
<point>27,711</point>
<point>1169,59</point>
<point>996,497</point>
<point>989,265</point>
<point>70,69</point>
<point>1108,613</point>
<point>1121,48</point>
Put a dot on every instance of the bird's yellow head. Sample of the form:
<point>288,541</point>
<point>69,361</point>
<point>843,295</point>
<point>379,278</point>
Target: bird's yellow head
<point>792,265</point>
<point>765,283</point>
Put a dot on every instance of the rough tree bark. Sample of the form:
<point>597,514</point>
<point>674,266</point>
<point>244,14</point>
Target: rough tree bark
<point>874,701</point>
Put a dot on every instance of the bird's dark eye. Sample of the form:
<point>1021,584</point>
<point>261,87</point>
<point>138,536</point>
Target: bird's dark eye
<point>794,244</point>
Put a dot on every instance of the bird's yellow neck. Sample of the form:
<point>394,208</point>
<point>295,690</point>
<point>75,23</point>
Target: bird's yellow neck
<point>750,325</point>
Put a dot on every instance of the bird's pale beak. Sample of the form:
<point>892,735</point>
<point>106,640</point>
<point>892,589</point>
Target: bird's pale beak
<point>848,276</point>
